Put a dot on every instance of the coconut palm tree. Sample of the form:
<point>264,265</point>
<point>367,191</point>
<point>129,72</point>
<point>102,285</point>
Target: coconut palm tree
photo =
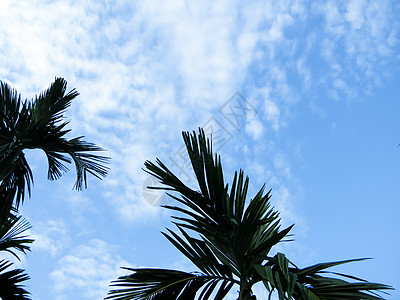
<point>39,124</point>
<point>229,239</point>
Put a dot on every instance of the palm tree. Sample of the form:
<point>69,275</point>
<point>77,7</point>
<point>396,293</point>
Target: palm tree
<point>39,124</point>
<point>229,240</point>
<point>34,124</point>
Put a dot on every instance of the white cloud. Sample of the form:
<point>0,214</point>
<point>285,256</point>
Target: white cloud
<point>317,110</point>
<point>147,71</point>
<point>283,202</point>
<point>128,66</point>
<point>328,49</point>
<point>304,72</point>
<point>282,166</point>
<point>394,37</point>
<point>334,19</point>
<point>255,128</point>
<point>355,13</point>
<point>357,32</point>
<point>87,271</point>
<point>272,113</point>
<point>49,236</point>
<point>135,204</point>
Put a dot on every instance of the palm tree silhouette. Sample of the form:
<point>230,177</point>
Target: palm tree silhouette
<point>229,239</point>
<point>34,124</point>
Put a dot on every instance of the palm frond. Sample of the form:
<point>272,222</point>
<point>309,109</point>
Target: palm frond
<point>311,283</point>
<point>11,235</point>
<point>85,161</point>
<point>15,185</point>
<point>337,288</point>
<point>10,282</point>
<point>11,111</point>
<point>199,252</point>
<point>48,108</point>
<point>154,284</point>
<point>234,236</point>
<point>40,124</point>
<point>15,174</point>
<point>47,132</point>
<point>239,232</point>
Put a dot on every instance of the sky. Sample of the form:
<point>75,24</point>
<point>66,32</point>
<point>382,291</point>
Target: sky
<point>301,95</point>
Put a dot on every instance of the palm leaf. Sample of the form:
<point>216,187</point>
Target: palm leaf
<point>10,282</point>
<point>233,239</point>
<point>154,284</point>
<point>337,288</point>
<point>239,232</point>
<point>11,235</point>
<point>15,184</point>
<point>310,284</point>
<point>39,124</point>
<point>200,253</point>
<point>169,284</point>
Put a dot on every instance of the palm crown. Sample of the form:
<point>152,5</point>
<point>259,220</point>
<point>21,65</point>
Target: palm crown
<point>232,241</point>
<point>35,124</point>
<point>39,124</point>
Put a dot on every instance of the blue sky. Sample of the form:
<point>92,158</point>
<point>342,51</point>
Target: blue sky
<point>320,83</point>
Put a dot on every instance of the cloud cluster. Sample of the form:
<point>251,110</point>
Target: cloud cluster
<point>146,71</point>
<point>358,45</point>
<point>87,271</point>
<point>50,236</point>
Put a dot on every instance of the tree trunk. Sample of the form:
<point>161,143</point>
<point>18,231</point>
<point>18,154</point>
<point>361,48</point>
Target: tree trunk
<point>245,291</point>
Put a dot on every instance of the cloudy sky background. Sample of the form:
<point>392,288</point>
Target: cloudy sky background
<point>319,80</point>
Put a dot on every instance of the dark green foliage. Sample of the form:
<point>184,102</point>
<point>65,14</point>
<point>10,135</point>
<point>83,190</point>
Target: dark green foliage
<point>34,124</point>
<point>232,239</point>
<point>10,282</point>
<point>312,283</point>
<point>12,240</point>
<point>168,284</point>
<point>10,235</point>
<point>39,124</point>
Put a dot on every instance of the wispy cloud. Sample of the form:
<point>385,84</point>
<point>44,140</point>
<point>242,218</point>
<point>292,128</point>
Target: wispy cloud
<point>357,44</point>
<point>50,236</point>
<point>89,268</point>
